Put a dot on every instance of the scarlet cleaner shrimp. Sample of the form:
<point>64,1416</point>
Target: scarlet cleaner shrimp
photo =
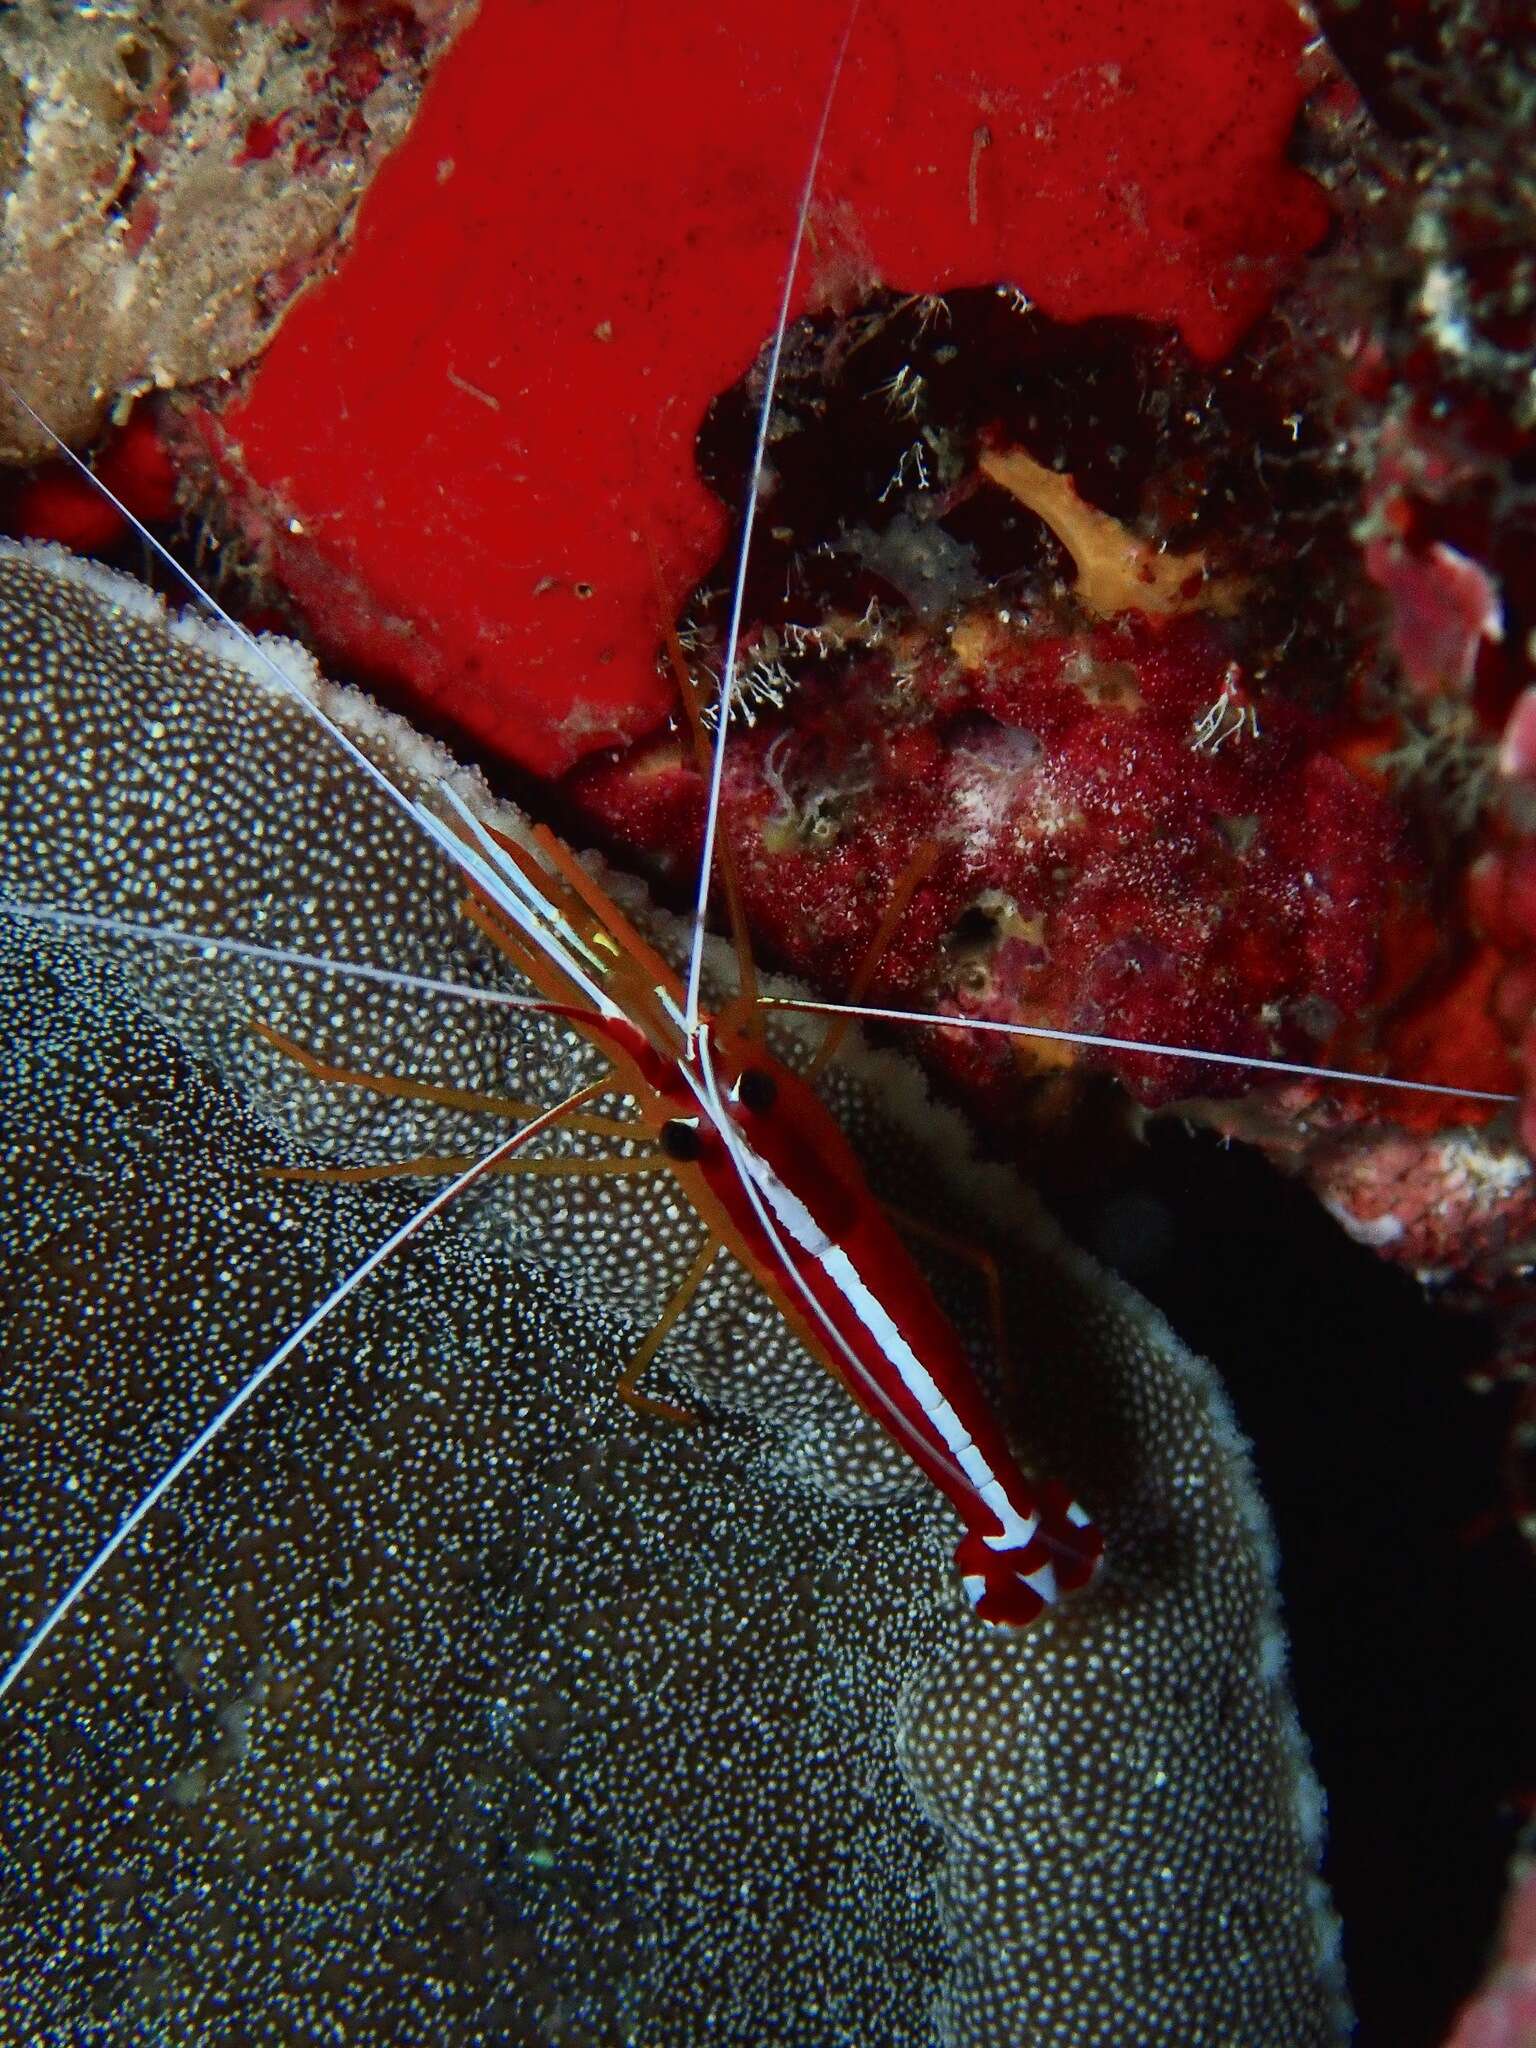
<point>761,1161</point>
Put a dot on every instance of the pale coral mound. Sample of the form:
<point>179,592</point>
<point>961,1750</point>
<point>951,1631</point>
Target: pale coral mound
<point>449,1701</point>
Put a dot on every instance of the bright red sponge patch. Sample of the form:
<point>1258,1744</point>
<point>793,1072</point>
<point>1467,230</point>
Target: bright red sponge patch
<point>463,450</point>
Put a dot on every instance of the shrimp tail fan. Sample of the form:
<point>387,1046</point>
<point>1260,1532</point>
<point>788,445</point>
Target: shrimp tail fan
<point>1012,1587</point>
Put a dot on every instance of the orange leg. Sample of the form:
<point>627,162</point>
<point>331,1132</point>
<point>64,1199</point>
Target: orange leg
<point>969,1254</point>
<point>443,1164</point>
<point>688,1287</point>
<point>431,1091</point>
<point>908,883</point>
<point>610,927</point>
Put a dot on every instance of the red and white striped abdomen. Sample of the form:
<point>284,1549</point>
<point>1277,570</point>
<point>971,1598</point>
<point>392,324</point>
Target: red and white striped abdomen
<point>797,1199</point>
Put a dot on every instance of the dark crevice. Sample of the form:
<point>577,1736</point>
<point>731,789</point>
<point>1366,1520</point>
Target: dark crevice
<point>1401,1582</point>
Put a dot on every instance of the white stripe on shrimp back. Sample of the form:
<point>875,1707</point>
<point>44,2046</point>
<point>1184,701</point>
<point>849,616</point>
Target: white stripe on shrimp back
<point>807,1233</point>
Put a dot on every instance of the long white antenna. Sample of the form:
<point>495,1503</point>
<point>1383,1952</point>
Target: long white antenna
<point>249,1387</point>
<point>749,517</point>
<point>516,898</point>
<point>290,688</point>
<point>1100,1041</point>
<point>203,942</point>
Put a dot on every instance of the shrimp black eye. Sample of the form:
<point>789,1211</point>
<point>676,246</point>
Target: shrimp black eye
<point>680,1138</point>
<point>756,1089</point>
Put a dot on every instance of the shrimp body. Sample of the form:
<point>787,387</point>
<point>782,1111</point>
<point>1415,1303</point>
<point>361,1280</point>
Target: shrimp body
<point>769,1171</point>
